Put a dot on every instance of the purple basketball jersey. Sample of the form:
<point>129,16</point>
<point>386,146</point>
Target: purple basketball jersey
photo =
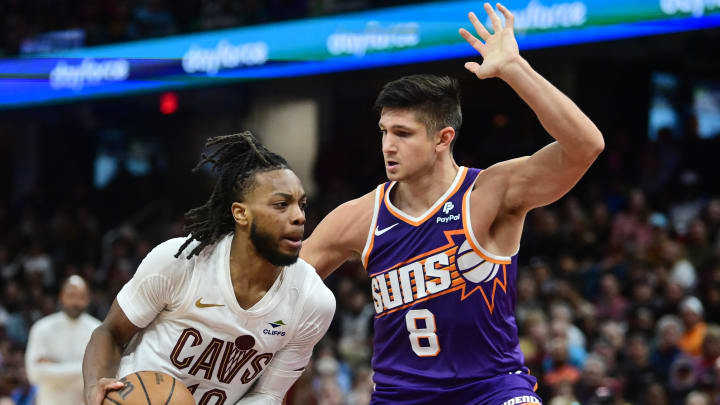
<point>444,306</point>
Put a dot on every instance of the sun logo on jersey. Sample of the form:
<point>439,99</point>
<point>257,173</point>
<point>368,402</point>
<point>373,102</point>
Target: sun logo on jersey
<point>480,273</point>
<point>473,267</point>
<point>455,266</point>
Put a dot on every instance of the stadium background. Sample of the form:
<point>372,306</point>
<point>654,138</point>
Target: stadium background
<point>608,273</point>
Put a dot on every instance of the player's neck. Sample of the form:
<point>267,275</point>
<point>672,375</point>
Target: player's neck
<point>416,194</point>
<point>251,275</point>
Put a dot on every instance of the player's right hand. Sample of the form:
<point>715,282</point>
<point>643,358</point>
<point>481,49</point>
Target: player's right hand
<point>94,394</point>
<point>499,49</point>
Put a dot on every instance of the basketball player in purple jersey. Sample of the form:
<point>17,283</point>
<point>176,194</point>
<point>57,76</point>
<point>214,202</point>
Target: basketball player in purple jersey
<point>439,242</point>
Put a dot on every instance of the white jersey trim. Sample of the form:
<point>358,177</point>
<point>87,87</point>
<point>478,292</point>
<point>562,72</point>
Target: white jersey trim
<point>373,224</point>
<point>469,230</point>
<point>434,207</point>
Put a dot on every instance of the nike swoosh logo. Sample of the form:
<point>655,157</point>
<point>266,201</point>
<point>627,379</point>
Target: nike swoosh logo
<point>379,232</point>
<point>201,305</point>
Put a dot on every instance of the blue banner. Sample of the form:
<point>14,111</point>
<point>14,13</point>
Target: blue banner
<point>363,40</point>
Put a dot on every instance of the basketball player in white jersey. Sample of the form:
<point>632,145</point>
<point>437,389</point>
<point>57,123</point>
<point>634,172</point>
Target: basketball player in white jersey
<point>439,242</point>
<point>230,307</point>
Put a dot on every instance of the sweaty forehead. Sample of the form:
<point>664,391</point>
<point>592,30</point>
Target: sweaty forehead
<point>282,181</point>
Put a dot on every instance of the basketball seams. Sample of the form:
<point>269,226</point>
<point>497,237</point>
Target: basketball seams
<point>144,389</point>
<point>157,390</point>
<point>112,400</point>
<point>172,389</point>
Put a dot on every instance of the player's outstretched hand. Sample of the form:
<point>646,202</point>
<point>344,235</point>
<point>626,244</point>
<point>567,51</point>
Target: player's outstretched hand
<point>95,393</point>
<point>498,49</point>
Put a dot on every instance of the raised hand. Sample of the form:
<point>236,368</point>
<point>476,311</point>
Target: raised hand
<point>498,49</point>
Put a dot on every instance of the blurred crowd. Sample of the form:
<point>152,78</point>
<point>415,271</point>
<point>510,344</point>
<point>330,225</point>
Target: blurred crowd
<point>107,21</point>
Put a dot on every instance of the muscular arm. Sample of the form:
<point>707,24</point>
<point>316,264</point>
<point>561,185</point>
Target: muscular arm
<point>532,181</point>
<point>552,171</point>
<point>340,235</point>
<point>102,355</point>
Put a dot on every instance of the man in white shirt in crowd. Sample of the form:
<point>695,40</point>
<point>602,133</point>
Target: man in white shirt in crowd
<point>56,345</point>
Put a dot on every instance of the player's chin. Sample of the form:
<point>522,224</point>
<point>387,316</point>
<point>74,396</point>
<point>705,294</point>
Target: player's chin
<point>393,175</point>
<point>284,259</point>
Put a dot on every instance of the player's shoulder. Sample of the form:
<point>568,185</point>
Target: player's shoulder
<point>170,249</point>
<point>354,216</point>
<point>167,259</point>
<point>309,283</point>
<point>358,207</point>
<point>304,275</point>
<point>501,171</point>
<point>345,227</point>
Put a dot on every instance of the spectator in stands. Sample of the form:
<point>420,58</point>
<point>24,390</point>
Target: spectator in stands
<point>630,228</point>
<point>691,311</point>
<point>710,354</point>
<point>595,386</point>
<point>57,344</point>
<point>669,331</point>
<point>656,395</point>
<point>697,398</point>
<point>560,370</point>
<point>637,373</point>
<point>611,305</point>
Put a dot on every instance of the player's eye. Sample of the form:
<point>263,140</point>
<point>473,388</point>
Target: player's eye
<point>281,204</point>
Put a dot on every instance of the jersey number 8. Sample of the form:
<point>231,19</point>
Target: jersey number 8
<point>424,341</point>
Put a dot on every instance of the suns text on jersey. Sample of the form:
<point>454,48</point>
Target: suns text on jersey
<point>410,283</point>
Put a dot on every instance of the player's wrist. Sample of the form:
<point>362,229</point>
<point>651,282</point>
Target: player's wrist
<point>512,68</point>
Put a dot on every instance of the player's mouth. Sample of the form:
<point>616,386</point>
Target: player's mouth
<point>391,165</point>
<point>294,240</point>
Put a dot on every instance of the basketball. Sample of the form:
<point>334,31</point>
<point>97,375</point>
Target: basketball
<point>473,267</point>
<point>150,388</point>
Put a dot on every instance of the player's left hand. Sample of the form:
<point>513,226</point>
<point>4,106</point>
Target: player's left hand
<point>498,49</point>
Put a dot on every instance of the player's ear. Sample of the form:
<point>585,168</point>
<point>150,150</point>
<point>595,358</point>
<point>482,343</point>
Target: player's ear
<point>444,138</point>
<point>240,213</point>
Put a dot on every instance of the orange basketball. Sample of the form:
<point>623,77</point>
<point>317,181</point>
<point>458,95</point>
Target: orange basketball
<point>150,388</point>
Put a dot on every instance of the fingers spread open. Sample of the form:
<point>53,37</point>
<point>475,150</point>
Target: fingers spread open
<point>496,24</point>
<point>470,38</point>
<point>479,27</point>
<point>509,18</point>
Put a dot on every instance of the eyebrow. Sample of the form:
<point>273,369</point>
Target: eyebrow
<point>397,126</point>
<point>288,196</point>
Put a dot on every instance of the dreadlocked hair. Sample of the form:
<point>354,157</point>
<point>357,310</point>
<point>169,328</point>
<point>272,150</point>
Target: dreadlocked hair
<point>238,158</point>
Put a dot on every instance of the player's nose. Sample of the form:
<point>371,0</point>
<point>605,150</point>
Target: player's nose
<point>389,146</point>
<point>297,215</point>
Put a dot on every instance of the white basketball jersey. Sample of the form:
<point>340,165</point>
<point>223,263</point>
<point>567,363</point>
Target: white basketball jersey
<point>195,330</point>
